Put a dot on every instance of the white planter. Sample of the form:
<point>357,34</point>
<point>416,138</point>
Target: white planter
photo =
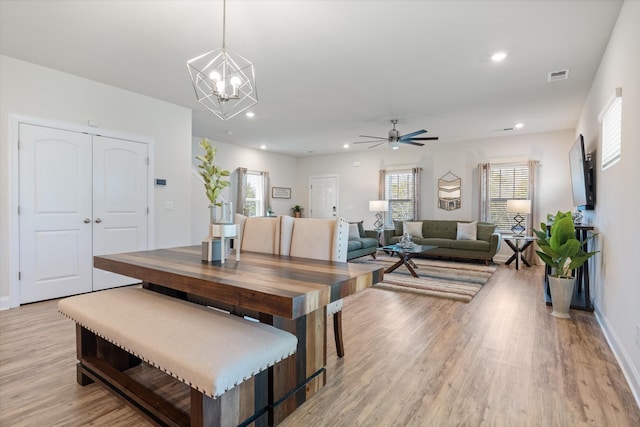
<point>561,294</point>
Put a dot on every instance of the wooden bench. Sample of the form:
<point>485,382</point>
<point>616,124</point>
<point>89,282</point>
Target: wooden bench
<point>217,354</point>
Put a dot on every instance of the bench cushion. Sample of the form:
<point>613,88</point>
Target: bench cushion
<point>207,349</point>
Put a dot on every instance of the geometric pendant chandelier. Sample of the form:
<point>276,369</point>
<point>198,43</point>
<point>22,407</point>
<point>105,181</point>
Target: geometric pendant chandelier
<point>223,80</point>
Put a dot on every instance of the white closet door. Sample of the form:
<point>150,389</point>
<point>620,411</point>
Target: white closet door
<point>55,213</point>
<point>119,203</point>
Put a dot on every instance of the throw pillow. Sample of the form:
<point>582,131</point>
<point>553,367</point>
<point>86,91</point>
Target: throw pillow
<point>467,230</point>
<point>354,233</point>
<point>360,228</point>
<point>414,228</point>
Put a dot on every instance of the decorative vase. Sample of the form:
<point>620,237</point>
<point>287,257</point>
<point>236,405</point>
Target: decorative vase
<point>561,294</point>
<point>211,245</point>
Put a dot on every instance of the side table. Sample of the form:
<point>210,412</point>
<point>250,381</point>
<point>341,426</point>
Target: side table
<point>514,242</point>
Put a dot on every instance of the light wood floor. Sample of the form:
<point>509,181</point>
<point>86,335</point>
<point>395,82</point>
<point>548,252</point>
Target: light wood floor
<point>500,360</point>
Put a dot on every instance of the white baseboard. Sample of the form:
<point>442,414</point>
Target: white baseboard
<point>5,303</point>
<point>629,371</point>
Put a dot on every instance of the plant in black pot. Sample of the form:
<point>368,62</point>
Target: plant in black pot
<point>563,252</point>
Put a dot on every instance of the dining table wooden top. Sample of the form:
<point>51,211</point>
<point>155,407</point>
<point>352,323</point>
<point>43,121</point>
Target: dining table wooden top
<point>283,286</point>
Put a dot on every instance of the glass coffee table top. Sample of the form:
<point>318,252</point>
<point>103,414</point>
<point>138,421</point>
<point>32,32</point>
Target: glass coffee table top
<point>414,249</point>
<point>405,253</point>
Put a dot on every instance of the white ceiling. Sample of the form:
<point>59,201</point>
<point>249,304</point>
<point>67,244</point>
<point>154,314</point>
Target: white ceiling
<point>328,71</point>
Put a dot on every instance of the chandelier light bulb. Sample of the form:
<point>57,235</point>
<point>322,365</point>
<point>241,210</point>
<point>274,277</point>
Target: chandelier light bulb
<point>215,76</point>
<point>235,81</point>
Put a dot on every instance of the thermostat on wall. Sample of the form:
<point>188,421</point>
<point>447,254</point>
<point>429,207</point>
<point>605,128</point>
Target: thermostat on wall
<point>161,182</point>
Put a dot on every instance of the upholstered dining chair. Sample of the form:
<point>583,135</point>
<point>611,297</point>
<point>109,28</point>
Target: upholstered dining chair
<point>317,238</point>
<point>258,234</point>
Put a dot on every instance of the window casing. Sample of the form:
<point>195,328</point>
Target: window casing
<point>506,182</point>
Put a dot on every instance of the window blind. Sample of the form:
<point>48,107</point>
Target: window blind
<point>506,182</point>
<point>611,118</point>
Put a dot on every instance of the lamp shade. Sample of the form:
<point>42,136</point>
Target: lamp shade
<point>379,206</point>
<point>519,206</point>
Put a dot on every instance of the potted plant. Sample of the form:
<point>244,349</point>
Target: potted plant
<point>297,211</point>
<point>563,253</point>
<point>214,182</point>
<point>213,176</point>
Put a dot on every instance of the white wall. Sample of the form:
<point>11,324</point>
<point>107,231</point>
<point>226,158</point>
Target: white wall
<point>359,184</point>
<point>617,287</point>
<point>282,173</point>
<point>42,93</point>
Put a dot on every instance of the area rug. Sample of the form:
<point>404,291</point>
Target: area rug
<point>456,280</point>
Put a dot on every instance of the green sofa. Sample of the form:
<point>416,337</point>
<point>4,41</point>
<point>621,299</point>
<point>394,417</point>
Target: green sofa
<point>443,234</point>
<point>365,244</point>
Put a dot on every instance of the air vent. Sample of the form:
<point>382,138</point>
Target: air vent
<point>558,75</point>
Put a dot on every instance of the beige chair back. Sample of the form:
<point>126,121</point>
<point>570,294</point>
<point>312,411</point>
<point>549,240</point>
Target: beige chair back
<point>315,238</point>
<point>259,234</point>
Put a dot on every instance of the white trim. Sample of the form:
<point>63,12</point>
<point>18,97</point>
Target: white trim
<point>14,189</point>
<point>624,360</point>
<point>5,303</point>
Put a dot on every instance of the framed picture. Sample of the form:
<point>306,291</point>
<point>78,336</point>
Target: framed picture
<point>281,192</point>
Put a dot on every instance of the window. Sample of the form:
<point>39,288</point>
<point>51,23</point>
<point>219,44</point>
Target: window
<point>506,182</point>
<point>611,119</point>
<point>254,194</point>
<point>400,189</point>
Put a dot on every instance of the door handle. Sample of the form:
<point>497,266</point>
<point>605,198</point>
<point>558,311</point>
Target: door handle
<point>98,220</point>
<point>86,221</point>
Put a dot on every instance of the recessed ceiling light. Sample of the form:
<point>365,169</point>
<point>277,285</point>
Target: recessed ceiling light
<point>250,114</point>
<point>518,125</point>
<point>345,146</point>
<point>263,147</point>
<point>498,56</point>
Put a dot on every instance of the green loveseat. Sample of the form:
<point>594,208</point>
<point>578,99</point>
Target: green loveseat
<point>365,244</point>
<point>443,234</point>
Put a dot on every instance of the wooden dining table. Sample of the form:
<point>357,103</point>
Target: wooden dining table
<point>290,293</point>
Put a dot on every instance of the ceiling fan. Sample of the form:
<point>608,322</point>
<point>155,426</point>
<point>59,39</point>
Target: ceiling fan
<point>395,139</point>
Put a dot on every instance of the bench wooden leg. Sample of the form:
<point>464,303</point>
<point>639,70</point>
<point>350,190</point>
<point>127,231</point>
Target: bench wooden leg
<point>337,333</point>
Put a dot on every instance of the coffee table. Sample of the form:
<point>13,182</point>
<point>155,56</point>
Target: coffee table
<point>405,255</point>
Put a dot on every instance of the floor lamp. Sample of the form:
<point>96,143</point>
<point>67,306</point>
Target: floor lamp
<point>519,207</point>
<point>379,206</point>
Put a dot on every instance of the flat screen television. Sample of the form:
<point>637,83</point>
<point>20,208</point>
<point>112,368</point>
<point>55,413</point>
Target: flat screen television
<point>582,176</point>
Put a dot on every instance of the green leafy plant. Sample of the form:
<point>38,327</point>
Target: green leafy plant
<point>296,208</point>
<point>562,251</point>
<point>212,174</point>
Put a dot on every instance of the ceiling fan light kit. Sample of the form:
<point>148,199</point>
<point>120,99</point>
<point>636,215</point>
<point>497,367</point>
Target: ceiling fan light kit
<point>223,80</point>
<point>395,139</point>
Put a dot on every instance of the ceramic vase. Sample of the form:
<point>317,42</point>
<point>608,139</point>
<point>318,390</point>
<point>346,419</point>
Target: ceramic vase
<point>561,294</point>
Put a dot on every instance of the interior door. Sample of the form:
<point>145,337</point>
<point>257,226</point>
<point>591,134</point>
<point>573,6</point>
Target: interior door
<point>119,203</point>
<point>323,196</point>
<point>55,213</point>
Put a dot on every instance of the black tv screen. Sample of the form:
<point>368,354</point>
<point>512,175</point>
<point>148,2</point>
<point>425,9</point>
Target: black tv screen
<point>581,176</point>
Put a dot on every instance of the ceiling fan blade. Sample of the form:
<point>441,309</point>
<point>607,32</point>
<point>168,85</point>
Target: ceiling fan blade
<point>366,142</point>
<point>426,138</point>
<point>409,135</point>
<point>419,144</point>
<point>376,137</point>
<point>380,143</point>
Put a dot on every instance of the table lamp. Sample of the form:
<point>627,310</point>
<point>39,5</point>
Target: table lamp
<point>379,206</point>
<point>519,207</point>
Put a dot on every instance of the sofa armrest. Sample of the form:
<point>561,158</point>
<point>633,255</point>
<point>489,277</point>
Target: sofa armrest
<point>383,238</point>
<point>495,243</point>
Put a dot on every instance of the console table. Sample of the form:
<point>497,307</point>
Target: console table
<point>581,299</point>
